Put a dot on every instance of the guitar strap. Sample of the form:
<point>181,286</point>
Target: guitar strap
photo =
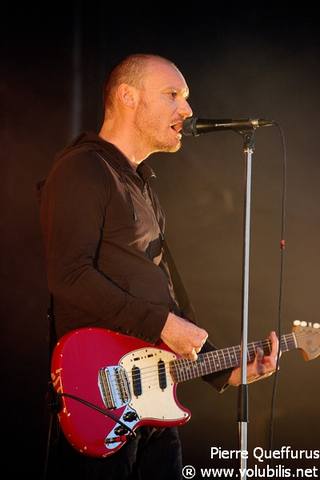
<point>184,303</point>
<point>54,402</point>
<point>187,310</point>
<point>52,327</point>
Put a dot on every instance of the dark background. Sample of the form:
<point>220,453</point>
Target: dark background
<point>239,62</point>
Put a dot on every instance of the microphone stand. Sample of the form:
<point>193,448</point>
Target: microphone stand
<point>248,147</point>
<point>195,126</point>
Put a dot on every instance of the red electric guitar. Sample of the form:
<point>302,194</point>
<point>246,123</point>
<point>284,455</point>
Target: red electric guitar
<point>111,384</point>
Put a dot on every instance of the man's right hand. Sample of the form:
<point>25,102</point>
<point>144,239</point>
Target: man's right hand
<point>183,337</point>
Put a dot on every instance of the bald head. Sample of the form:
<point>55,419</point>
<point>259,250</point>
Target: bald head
<point>146,102</point>
<point>131,71</point>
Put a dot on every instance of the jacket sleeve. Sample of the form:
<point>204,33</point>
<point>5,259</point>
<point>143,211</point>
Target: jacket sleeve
<point>73,211</point>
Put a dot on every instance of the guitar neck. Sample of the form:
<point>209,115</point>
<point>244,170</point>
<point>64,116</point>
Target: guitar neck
<point>218,360</point>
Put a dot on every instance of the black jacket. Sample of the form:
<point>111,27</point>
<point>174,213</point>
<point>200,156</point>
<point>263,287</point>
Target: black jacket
<point>103,229</point>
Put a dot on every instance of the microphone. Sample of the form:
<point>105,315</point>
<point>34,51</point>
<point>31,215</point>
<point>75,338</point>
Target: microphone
<point>196,126</point>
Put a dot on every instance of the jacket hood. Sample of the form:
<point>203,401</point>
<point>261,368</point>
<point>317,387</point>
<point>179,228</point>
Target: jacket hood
<point>86,141</point>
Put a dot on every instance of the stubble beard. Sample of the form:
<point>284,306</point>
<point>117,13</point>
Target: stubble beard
<point>148,128</point>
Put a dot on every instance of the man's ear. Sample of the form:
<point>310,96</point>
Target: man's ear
<point>127,95</point>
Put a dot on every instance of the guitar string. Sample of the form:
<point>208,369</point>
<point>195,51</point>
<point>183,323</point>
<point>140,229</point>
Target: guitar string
<point>285,339</point>
<point>190,367</point>
<point>206,361</point>
<point>202,363</point>
<point>220,352</point>
<point>214,355</point>
<point>153,382</point>
<point>224,352</point>
<point>186,373</point>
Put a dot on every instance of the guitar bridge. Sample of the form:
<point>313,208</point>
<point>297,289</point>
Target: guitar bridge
<point>114,386</point>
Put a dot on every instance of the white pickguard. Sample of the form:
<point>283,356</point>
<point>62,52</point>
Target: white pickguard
<point>153,402</point>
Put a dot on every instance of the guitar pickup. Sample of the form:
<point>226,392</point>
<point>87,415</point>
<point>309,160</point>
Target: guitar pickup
<point>162,375</point>
<point>136,381</point>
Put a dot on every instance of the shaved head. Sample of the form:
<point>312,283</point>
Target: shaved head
<point>146,102</point>
<point>131,71</point>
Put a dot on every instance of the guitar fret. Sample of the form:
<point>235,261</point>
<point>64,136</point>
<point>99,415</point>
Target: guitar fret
<point>289,341</point>
<point>202,365</point>
<point>184,373</point>
<point>230,360</point>
<point>235,354</point>
<point>176,372</point>
<point>207,364</point>
<point>269,346</point>
<point>251,353</point>
<point>255,346</point>
<point>224,360</point>
<point>285,342</point>
<point>294,343</point>
<point>294,340</point>
<point>212,361</point>
<point>218,360</point>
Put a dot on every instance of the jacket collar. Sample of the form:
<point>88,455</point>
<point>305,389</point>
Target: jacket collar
<point>144,170</point>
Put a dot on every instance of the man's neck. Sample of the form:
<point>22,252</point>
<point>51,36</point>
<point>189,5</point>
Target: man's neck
<point>124,143</point>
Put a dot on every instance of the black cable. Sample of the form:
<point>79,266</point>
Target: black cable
<point>48,447</point>
<point>282,249</point>
<point>50,396</point>
<point>55,405</point>
<point>103,411</point>
<point>53,398</point>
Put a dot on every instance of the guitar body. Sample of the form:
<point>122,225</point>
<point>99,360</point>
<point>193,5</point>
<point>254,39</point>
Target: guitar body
<point>126,376</point>
<point>135,383</point>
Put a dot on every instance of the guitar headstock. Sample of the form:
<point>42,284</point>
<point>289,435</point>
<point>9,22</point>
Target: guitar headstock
<point>308,338</point>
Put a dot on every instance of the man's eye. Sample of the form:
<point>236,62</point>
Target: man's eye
<point>173,94</point>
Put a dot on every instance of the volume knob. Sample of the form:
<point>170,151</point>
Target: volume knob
<point>130,416</point>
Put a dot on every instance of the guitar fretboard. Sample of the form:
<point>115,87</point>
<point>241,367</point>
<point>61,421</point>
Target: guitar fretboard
<point>218,360</point>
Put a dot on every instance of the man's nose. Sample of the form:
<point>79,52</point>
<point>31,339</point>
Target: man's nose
<point>185,109</point>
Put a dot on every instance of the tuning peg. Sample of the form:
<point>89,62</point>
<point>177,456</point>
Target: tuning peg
<point>299,323</point>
